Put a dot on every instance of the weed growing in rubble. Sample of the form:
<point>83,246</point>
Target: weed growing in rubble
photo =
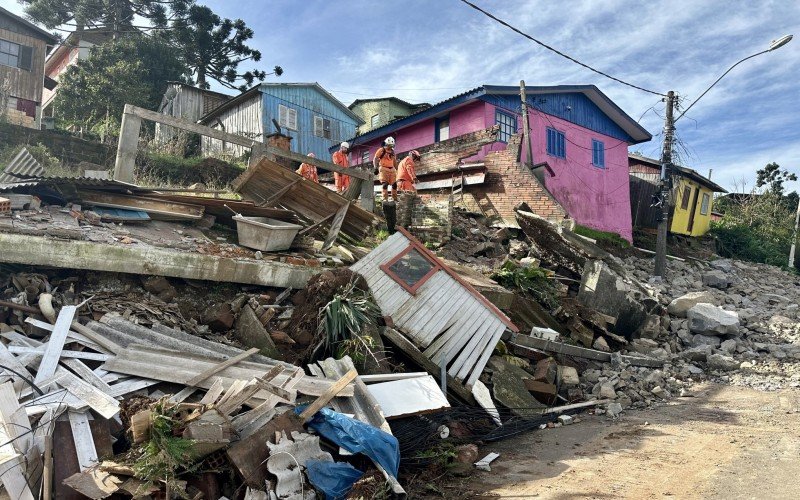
<point>343,319</point>
<point>165,454</point>
<point>531,280</point>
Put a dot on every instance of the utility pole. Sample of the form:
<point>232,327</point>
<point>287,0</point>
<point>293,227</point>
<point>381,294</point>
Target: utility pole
<point>794,235</point>
<point>666,171</point>
<point>525,121</point>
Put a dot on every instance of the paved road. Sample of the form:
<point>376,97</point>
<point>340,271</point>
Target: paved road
<point>725,442</point>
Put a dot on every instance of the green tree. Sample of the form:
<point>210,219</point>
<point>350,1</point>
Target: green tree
<point>131,70</point>
<point>116,15</point>
<point>213,48</point>
<point>773,176</point>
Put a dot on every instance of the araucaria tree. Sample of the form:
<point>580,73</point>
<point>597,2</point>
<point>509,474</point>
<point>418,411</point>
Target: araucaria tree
<point>213,48</point>
<point>117,16</point>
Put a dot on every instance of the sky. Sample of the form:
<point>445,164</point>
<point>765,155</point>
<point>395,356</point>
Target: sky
<point>429,50</point>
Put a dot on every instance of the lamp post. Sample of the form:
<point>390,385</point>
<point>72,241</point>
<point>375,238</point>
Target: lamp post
<point>666,157</point>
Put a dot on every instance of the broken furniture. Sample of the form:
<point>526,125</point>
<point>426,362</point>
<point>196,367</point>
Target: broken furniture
<point>440,313</point>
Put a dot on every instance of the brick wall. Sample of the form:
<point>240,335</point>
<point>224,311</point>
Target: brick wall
<point>69,149</point>
<point>427,216</point>
<point>509,183</point>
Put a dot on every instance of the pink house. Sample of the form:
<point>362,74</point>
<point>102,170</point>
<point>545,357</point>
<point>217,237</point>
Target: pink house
<point>579,139</point>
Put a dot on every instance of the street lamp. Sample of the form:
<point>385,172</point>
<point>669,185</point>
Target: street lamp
<point>666,156</point>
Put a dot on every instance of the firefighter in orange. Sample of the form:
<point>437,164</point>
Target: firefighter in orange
<point>406,174</point>
<point>309,171</point>
<point>385,162</point>
<point>340,158</point>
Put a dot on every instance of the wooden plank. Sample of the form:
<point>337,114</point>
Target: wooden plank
<point>84,442</point>
<point>94,484</point>
<point>71,336</point>
<point>316,225</point>
<point>388,377</point>
<point>412,352</point>
<point>15,484</point>
<point>9,360</point>
<point>92,356</point>
<point>329,394</point>
<point>153,206</point>
<point>85,373</point>
<point>213,393</point>
<point>581,352</point>
<point>451,341</point>
<point>221,366</point>
<point>49,362</point>
<point>96,337</point>
<point>272,200</point>
<point>481,363</point>
<point>469,355</point>
<point>13,421</point>
<point>336,226</point>
<point>96,399</point>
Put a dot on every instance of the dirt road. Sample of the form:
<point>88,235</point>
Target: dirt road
<point>725,442</point>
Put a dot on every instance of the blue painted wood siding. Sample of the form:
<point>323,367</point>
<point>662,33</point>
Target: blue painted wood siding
<point>309,103</point>
<point>573,107</point>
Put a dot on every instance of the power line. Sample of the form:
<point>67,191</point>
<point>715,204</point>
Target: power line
<point>552,49</point>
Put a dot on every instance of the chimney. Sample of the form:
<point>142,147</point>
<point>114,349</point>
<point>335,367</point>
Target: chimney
<point>280,141</point>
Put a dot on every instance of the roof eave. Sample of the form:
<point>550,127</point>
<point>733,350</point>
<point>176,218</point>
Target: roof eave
<point>45,35</point>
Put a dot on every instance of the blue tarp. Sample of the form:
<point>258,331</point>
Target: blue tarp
<point>334,479</point>
<point>357,437</point>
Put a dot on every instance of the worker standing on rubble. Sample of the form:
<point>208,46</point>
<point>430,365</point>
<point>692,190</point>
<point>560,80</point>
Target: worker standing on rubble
<point>406,172</point>
<point>309,171</point>
<point>385,162</point>
<point>340,158</point>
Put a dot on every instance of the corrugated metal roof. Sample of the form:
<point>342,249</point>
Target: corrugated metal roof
<point>24,165</point>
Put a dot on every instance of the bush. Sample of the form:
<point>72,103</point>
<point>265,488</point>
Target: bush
<point>534,281</point>
<point>758,228</point>
<point>611,239</point>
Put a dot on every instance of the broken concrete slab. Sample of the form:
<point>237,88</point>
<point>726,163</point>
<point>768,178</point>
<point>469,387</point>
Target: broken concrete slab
<point>508,387</point>
<point>722,362</point>
<point>250,332</point>
<point>73,254</point>
<point>680,306</point>
<point>716,279</point>
<point>606,291</point>
<point>707,319</point>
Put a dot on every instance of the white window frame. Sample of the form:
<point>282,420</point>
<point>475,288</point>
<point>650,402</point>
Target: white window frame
<point>375,120</point>
<point>705,204</point>
<point>287,117</point>
<point>319,127</point>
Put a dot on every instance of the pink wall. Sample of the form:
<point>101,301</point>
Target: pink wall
<point>595,197</point>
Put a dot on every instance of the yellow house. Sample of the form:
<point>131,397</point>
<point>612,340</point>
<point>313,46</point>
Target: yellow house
<point>692,197</point>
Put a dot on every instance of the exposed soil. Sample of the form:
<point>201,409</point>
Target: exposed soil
<point>725,442</point>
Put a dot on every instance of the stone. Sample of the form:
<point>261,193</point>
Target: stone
<point>606,291</point>
<point>707,319</point>
<point>466,454</point>
<point>660,354</point>
<point>607,391</point>
<point>701,340</point>
<point>219,317</point>
<point>716,279</point>
<point>682,304</point>
<point>518,249</point>
<point>508,387</point>
<point>566,419</point>
<point>659,392</point>
<point>160,287</point>
<point>529,262</point>
<point>568,376</point>
<point>697,354</point>
<point>652,327</point>
<point>728,347</point>
<point>722,363</point>
<point>601,344</point>
<point>724,265</point>
<point>643,346</point>
<point>613,409</point>
<point>251,333</point>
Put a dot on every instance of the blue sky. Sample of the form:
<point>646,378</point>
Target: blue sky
<point>427,51</point>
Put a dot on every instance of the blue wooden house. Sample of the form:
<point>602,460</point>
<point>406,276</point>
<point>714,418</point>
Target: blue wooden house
<point>309,114</point>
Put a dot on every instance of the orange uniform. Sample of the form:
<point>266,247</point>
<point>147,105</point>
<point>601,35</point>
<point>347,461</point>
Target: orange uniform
<point>388,165</point>
<point>406,176</point>
<point>308,171</point>
<point>342,181</point>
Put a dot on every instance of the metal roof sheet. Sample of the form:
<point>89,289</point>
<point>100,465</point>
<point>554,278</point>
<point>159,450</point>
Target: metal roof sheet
<point>24,165</point>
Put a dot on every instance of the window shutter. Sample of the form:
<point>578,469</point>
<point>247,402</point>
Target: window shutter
<point>282,118</point>
<point>292,121</point>
<point>317,126</point>
<point>25,57</point>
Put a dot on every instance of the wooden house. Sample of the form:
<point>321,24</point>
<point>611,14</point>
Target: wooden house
<point>188,102</point>
<point>439,312</point>
<point>23,47</point>
<point>692,195</point>
<point>379,111</point>
<point>306,112</point>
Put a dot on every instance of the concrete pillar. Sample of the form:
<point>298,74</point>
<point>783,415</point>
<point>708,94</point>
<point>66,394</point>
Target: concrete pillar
<point>127,147</point>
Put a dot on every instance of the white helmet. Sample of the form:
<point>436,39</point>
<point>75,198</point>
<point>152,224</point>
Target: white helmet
<point>389,141</point>
<point>344,145</point>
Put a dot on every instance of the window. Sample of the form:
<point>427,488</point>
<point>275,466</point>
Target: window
<point>556,143</point>
<point>365,156</point>
<point>442,129</point>
<point>598,154</point>
<point>15,55</point>
<point>411,269</point>
<point>687,193</point>
<point>507,123</point>
<point>287,117</point>
<point>322,127</point>
<point>374,121</point>
<point>705,204</point>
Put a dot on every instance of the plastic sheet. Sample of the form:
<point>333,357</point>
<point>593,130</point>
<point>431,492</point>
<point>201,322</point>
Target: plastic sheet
<point>334,479</point>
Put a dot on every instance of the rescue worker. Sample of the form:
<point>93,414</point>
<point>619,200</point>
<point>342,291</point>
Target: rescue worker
<point>340,158</point>
<point>406,172</point>
<point>309,171</point>
<point>385,162</point>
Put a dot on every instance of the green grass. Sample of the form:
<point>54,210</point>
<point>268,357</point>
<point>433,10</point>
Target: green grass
<point>612,238</point>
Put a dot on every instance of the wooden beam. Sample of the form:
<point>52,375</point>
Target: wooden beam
<point>161,208</point>
<point>336,226</point>
<point>84,442</point>
<point>581,352</point>
<point>316,225</point>
<point>277,196</point>
<point>329,394</point>
<point>127,147</point>
<point>49,362</point>
<point>221,366</point>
